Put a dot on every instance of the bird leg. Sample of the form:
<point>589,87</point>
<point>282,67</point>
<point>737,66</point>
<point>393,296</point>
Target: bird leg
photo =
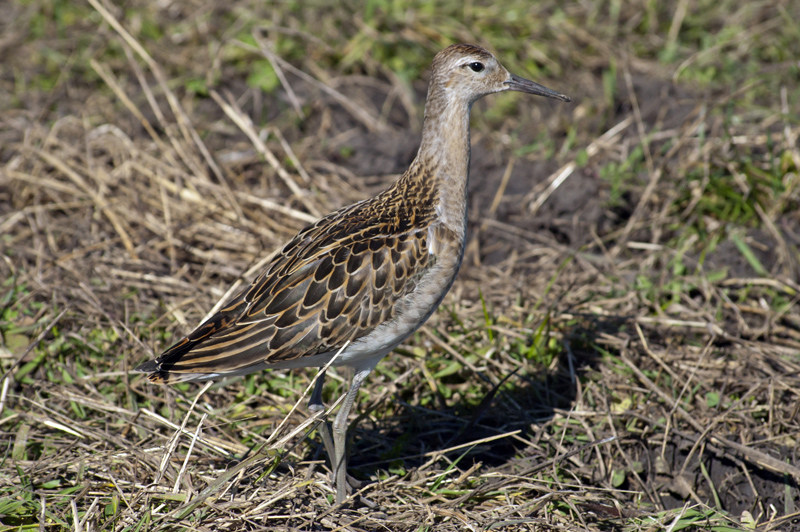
<point>315,405</point>
<point>340,436</point>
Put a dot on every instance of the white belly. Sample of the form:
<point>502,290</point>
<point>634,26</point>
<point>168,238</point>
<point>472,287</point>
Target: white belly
<point>410,314</point>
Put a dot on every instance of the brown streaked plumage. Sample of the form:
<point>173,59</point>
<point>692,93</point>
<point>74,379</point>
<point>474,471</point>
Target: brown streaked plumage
<point>366,276</point>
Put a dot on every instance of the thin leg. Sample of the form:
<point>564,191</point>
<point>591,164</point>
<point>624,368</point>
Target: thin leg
<point>340,436</point>
<point>315,405</point>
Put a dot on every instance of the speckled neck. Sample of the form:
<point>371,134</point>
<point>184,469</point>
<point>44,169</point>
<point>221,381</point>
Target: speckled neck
<point>445,152</point>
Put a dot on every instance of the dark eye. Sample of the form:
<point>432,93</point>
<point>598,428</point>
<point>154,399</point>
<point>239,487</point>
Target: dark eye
<point>476,66</point>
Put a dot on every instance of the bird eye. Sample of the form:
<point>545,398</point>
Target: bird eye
<point>476,66</point>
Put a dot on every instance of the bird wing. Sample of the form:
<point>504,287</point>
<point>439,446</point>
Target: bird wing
<point>334,282</point>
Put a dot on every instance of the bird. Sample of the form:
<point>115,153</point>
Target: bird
<point>358,282</point>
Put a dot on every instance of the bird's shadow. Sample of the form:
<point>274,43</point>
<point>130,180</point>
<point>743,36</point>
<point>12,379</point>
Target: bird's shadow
<point>524,402</point>
<point>521,404</point>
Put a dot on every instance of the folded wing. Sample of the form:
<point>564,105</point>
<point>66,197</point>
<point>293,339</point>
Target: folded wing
<point>333,283</point>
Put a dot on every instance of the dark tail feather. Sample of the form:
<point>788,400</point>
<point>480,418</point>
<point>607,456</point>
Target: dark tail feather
<point>159,368</point>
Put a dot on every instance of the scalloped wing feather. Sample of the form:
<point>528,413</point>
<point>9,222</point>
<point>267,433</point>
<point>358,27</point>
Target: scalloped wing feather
<point>334,282</point>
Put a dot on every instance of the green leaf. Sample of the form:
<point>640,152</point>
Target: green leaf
<point>197,86</point>
<point>262,76</point>
<point>712,399</point>
<point>748,254</point>
<point>450,369</point>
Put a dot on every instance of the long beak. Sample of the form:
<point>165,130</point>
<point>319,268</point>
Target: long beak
<point>517,83</point>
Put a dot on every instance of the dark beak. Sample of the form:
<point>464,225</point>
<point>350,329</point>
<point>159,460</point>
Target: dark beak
<point>517,83</point>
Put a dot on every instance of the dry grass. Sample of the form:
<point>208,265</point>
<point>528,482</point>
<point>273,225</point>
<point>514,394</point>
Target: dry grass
<point>620,351</point>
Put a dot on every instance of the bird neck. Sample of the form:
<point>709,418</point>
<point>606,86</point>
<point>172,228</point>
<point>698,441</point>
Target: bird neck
<point>444,153</point>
